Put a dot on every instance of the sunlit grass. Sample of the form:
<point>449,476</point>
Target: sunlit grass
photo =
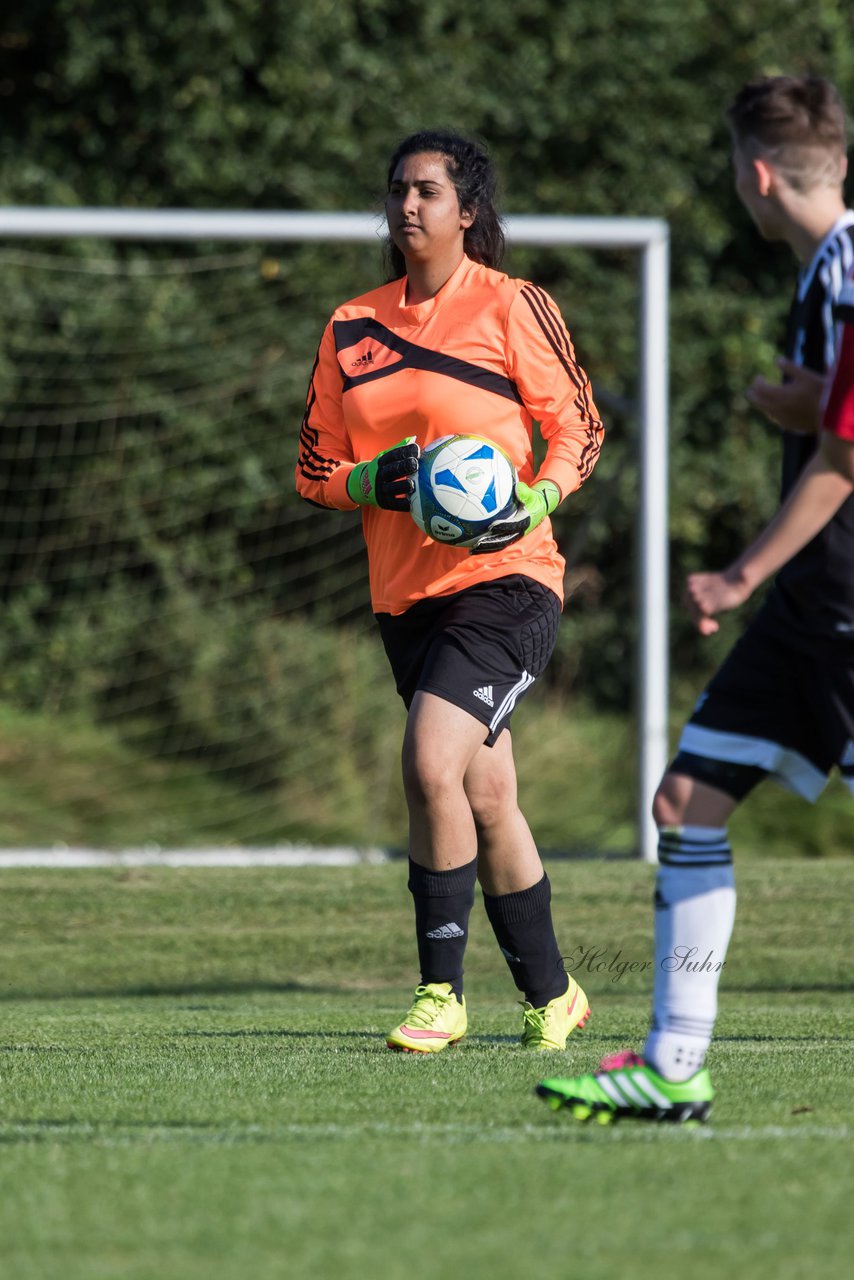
<point>195,1083</point>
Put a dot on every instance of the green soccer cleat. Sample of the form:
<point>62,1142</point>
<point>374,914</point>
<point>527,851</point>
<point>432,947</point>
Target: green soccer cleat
<point>625,1085</point>
<point>436,1020</point>
<point>547,1028</point>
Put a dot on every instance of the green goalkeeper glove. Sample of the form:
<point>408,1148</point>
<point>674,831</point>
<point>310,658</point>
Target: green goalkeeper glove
<point>535,503</point>
<point>386,481</point>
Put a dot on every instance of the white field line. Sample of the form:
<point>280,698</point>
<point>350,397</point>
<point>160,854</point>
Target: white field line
<point>62,858</point>
<point>563,1131</point>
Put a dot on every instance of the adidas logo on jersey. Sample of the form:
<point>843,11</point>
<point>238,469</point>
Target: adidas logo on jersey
<point>449,930</point>
<point>363,362</point>
<point>485,694</point>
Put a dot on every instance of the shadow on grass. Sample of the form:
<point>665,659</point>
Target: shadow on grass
<point>366,1033</point>
<point>777,1039</point>
<point>20,1132</point>
<point>785,988</point>
<point>178,989</point>
<point>212,990</point>
<point>283,1033</point>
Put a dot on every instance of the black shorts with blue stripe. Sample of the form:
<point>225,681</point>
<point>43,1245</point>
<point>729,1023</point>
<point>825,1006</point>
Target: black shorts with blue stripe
<point>480,649</point>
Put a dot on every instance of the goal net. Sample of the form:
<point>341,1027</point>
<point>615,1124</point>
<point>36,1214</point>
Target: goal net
<point>159,575</point>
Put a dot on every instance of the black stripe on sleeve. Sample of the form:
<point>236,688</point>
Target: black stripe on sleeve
<point>313,465</point>
<point>554,331</point>
<point>559,341</point>
<point>310,463</point>
<point>558,338</point>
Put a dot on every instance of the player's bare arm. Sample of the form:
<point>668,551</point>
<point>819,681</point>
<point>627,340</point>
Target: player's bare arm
<point>793,404</point>
<point>707,594</point>
<point>839,455</point>
<point>825,483</point>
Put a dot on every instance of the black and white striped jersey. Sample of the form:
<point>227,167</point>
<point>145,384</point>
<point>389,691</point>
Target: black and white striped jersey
<point>814,592</point>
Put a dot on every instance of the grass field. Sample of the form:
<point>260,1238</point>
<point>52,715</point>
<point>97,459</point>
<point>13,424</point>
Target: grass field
<point>194,1083</point>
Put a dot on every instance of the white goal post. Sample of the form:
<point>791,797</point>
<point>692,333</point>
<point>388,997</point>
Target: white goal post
<point>649,236</point>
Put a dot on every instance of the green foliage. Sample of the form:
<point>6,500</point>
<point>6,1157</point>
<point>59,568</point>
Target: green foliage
<point>280,755</point>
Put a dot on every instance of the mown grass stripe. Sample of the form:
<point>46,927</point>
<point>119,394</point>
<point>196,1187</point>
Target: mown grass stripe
<point>562,1130</point>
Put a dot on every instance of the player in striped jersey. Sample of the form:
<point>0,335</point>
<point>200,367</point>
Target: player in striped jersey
<point>451,345</point>
<point>782,704</point>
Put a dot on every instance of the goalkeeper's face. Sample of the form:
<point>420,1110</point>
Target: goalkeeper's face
<point>423,209</point>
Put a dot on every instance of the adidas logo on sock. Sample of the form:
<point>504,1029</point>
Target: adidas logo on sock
<point>485,694</point>
<point>449,930</point>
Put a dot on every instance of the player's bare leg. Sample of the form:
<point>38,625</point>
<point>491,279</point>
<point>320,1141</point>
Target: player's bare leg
<point>440,742</point>
<point>508,859</point>
<point>517,898</point>
<point>463,807</point>
<point>681,800</point>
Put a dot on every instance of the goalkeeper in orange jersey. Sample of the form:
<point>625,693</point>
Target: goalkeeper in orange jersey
<point>451,345</point>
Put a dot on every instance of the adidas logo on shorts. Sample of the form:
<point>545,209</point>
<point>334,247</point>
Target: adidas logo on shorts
<point>449,930</point>
<point>485,694</point>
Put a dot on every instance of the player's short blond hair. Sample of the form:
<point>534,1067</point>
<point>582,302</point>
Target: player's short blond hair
<point>797,124</point>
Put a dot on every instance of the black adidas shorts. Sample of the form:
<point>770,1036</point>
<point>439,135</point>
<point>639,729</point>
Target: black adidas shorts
<point>773,709</point>
<point>481,648</point>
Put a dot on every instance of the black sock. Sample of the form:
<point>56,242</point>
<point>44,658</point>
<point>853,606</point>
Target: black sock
<point>443,903</point>
<point>522,924</point>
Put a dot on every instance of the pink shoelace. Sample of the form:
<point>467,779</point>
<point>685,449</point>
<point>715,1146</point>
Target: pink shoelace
<point>616,1061</point>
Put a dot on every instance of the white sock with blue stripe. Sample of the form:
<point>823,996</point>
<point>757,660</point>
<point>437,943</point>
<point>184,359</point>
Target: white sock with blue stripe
<point>695,912</point>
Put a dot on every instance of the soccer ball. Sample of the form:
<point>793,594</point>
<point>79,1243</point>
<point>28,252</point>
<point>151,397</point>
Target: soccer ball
<point>464,484</point>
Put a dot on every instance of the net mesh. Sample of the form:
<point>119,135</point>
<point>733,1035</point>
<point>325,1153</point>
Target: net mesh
<point>158,573</point>
<point>156,568</point>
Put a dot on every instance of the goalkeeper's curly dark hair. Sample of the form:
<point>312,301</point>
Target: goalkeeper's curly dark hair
<point>472,172</point>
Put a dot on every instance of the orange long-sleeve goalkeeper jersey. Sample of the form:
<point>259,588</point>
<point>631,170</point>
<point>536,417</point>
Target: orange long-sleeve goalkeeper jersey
<point>487,356</point>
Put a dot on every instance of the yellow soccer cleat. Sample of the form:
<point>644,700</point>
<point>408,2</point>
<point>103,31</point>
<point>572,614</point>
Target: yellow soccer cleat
<point>436,1020</point>
<point>547,1028</point>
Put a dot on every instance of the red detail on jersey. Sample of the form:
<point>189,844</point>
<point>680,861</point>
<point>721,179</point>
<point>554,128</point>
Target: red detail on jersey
<point>839,410</point>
